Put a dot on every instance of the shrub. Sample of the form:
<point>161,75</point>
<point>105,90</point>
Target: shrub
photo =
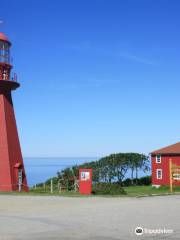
<point>144,180</point>
<point>108,189</point>
<point>127,182</point>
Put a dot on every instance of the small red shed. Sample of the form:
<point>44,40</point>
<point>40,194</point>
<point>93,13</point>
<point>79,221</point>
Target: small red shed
<point>160,164</point>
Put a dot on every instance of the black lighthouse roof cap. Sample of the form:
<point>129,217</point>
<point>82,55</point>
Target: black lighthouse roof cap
<point>171,149</point>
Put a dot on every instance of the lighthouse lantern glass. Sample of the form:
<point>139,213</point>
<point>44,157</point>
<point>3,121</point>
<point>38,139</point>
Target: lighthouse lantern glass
<point>4,52</point>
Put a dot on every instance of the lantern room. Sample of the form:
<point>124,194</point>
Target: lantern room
<point>4,49</point>
<point>5,66</point>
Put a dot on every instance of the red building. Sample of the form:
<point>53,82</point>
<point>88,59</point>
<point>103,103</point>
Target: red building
<point>160,164</point>
<point>12,172</point>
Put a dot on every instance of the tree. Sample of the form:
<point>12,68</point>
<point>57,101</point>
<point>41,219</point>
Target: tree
<point>139,162</point>
<point>112,168</point>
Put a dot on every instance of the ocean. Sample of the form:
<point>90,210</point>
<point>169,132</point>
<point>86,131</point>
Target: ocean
<point>40,169</point>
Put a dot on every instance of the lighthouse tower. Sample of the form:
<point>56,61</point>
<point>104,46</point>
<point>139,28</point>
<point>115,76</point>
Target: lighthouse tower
<point>12,173</point>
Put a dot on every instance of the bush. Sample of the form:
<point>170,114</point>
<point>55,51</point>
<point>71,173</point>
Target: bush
<point>127,182</point>
<point>144,180</point>
<point>108,189</point>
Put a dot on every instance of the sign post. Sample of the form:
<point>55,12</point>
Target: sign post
<point>20,179</point>
<point>85,181</point>
<point>174,174</point>
<point>170,176</point>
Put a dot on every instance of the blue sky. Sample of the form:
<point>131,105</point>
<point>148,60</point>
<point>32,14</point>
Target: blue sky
<point>96,76</point>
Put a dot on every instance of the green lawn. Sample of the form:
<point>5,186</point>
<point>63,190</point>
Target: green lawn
<point>148,190</point>
<point>132,191</point>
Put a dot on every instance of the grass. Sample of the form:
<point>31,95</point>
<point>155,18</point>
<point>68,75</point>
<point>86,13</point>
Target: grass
<point>135,191</point>
<point>40,191</point>
<point>132,191</point>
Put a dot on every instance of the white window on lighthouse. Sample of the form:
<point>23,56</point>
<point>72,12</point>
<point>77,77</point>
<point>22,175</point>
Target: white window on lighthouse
<point>158,158</point>
<point>159,173</point>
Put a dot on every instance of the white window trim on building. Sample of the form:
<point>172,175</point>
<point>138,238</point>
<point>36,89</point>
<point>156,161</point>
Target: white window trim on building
<point>158,158</point>
<point>157,173</point>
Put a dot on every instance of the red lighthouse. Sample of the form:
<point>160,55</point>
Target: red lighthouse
<point>12,173</point>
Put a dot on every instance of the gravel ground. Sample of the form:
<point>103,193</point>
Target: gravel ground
<point>72,218</point>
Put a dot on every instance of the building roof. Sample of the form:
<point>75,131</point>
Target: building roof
<point>3,37</point>
<point>171,149</point>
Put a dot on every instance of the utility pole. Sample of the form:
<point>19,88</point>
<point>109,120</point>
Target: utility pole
<point>44,187</point>
<point>51,185</point>
<point>170,176</point>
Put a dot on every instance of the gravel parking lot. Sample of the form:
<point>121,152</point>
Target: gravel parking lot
<point>69,218</point>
